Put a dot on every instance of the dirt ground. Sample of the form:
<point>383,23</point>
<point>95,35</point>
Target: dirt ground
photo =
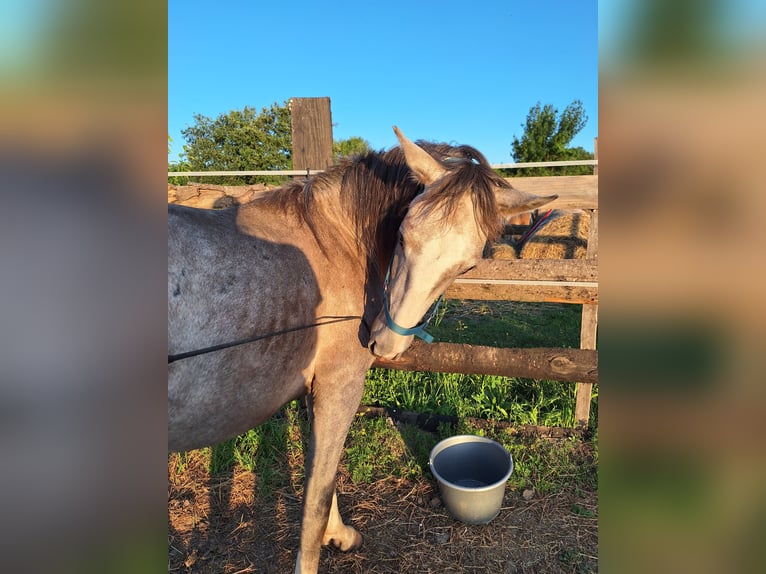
<point>221,524</point>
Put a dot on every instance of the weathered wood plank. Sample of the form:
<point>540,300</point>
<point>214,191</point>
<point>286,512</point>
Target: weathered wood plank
<point>564,270</point>
<point>587,341</point>
<point>574,191</point>
<point>531,269</point>
<point>311,122</point>
<point>530,293</point>
<point>558,364</point>
<point>588,332</point>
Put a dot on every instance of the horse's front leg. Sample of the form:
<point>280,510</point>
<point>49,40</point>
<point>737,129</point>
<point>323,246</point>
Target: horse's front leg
<point>338,534</point>
<point>332,411</point>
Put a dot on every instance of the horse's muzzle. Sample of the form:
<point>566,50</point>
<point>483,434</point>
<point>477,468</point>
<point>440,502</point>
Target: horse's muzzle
<point>385,343</point>
<point>388,357</point>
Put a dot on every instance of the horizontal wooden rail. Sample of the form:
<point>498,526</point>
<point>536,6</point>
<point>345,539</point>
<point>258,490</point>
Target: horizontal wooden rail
<point>527,293</point>
<point>584,270</point>
<point>561,163</point>
<point>313,171</point>
<point>305,172</point>
<point>542,280</point>
<point>574,191</point>
<point>557,364</point>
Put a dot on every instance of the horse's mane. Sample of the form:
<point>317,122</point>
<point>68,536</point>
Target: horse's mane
<point>376,188</point>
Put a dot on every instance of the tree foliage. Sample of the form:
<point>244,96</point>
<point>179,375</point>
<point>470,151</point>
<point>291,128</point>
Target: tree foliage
<point>547,135</point>
<point>352,146</point>
<point>245,140</point>
<point>240,140</point>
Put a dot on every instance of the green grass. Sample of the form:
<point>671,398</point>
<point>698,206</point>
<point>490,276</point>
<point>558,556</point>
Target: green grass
<point>267,449</point>
<point>509,324</point>
<point>376,448</point>
<point>520,401</point>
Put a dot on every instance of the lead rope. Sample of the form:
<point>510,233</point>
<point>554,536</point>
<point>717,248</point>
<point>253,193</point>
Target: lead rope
<point>188,354</point>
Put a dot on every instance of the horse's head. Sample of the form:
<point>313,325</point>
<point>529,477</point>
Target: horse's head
<point>442,236</point>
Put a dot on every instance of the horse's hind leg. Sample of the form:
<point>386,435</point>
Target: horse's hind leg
<point>332,411</point>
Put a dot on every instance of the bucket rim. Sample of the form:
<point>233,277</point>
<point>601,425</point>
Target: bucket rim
<point>463,439</point>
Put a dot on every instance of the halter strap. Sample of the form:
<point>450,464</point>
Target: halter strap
<point>418,330</point>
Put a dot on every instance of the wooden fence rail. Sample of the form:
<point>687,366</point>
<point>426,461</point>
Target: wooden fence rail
<point>537,280</point>
<point>574,191</point>
<point>311,171</point>
<point>551,363</point>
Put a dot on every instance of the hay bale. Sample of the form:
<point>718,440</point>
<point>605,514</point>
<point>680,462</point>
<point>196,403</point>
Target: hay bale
<point>504,248</point>
<point>564,235</point>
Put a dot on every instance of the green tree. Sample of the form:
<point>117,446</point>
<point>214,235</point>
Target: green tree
<point>179,166</point>
<point>354,145</point>
<point>547,135</point>
<point>240,140</point>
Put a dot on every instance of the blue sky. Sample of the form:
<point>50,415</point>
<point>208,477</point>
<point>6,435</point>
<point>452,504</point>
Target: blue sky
<point>460,72</point>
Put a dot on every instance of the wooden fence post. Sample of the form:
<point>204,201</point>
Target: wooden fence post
<point>588,331</point>
<point>589,325</point>
<point>311,123</point>
<point>595,155</point>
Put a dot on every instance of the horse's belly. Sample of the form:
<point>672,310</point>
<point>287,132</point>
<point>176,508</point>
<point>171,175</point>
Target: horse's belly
<point>211,399</point>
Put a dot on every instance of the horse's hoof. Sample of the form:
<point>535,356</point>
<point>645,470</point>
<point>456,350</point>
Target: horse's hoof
<point>357,544</point>
<point>351,540</point>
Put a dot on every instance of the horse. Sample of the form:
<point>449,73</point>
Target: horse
<point>296,292</point>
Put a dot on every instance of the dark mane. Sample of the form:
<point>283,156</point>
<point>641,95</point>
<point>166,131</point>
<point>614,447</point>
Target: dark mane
<point>468,170</point>
<point>376,190</point>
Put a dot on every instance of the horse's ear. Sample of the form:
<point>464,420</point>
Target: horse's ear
<point>426,168</point>
<point>512,201</point>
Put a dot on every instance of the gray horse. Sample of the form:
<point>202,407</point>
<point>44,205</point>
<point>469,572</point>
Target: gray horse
<point>294,294</point>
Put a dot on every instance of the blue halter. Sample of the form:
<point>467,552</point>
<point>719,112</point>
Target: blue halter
<point>418,330</point>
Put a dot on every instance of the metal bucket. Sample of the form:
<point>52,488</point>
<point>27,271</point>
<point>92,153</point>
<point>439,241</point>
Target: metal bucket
<point>472,472</point>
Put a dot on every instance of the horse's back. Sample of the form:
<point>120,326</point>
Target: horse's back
<point>225,285</point>
<point>220,278</point>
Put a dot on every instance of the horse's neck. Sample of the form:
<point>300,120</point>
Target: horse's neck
<point>266,222</point>
<point>333,226</point>
<point>324,230</point>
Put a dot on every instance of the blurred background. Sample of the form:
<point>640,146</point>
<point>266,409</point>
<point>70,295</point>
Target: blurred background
<point>682,86</point>
<point>83,155</point>
<point>83,138</point>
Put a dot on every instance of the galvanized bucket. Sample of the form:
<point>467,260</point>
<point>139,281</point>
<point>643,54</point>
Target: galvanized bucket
<point>471,472</point>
